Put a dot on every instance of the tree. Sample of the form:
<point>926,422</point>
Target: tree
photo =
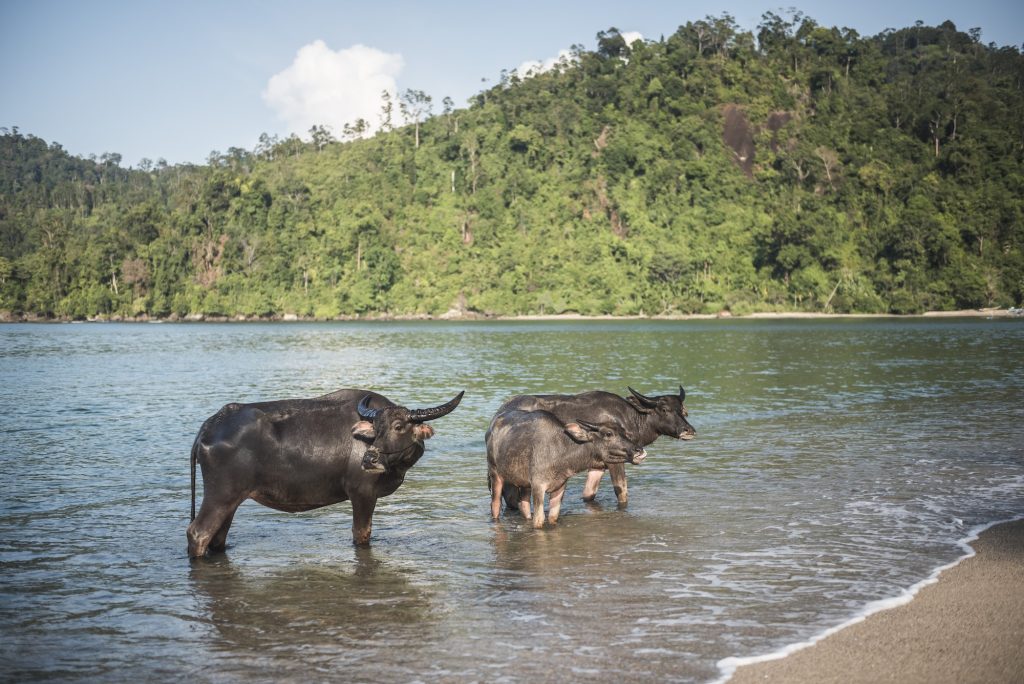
<point>386,110</point>
<point>415,106</point>
<point>602,186</point>
<point>321,137</point>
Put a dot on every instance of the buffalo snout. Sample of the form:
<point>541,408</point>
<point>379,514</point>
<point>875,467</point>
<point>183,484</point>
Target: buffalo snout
<point>637,456</point>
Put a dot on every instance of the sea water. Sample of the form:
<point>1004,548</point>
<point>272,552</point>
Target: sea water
<point>837,464</point>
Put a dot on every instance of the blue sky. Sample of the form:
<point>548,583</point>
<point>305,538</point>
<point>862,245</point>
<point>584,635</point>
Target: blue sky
<point>176,80</point>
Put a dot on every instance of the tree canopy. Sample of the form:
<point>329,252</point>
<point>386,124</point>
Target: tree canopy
<point>796,168</point>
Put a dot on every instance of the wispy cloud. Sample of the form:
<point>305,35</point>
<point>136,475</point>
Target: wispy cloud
<point>325,87</point>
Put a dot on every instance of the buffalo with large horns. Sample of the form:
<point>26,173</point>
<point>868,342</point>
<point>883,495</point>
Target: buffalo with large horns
<point>300,454</point>
<point>643,418</point>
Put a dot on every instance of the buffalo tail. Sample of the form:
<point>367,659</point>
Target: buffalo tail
<point>193,459</point>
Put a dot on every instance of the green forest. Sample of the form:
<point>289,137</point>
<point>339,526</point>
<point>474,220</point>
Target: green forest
<point>795,167</point>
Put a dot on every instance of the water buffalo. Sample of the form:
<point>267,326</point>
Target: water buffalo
<point>300,454</point>
<point>535,449</point>
<point>644,418</point>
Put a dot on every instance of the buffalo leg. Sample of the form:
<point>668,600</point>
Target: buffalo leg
<point>593,482</point>
<point>362,520</point>
<point>555,504</point>
<point>209,531</point>
<point>538,503</point>
<point>524,502</point>
<point>618,474</point>
<point>219,542</point>
<point>496,485</point>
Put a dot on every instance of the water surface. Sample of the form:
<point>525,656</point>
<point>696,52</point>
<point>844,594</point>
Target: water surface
<point>837,462</point>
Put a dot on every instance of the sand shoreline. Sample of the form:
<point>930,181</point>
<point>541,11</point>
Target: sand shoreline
<point>462,316</point>
<point>965,623</point>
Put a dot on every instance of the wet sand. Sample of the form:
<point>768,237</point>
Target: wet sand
<point>966,627</point>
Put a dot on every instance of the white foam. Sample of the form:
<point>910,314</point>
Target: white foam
<point>727,666</point>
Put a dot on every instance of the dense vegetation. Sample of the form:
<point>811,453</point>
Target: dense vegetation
<point>801,168</point>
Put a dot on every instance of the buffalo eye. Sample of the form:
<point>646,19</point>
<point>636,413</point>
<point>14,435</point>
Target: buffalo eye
<point>396,425</point>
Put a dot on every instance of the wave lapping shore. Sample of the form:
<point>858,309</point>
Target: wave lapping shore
<point>966,624</point>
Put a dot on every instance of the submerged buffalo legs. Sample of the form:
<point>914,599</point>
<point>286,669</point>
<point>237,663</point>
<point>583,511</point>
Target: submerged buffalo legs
<point>617,472</point>
<point>555,503</point>
<point>618,475</point>
<point>524,502</point>
<point>209,531</point>
<point>593,482</point>
<point>362,519</point>
<point>497,484</point>
<point>220,539</point>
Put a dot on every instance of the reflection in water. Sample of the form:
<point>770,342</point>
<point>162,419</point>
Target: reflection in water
<point>295,622</point>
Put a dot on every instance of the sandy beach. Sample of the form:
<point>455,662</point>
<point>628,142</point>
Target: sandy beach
<point>966,627</point>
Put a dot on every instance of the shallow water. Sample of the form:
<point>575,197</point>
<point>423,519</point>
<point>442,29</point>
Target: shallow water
<point>837,462</point>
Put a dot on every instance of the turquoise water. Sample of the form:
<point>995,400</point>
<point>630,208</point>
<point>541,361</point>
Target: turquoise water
<point>837,462</point>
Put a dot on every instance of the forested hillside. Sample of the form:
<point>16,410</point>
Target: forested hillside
<point>796,168</point>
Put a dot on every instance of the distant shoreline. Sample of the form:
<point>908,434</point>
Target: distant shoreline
<point>460,316</point>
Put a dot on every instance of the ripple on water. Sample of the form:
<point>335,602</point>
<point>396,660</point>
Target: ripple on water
<point>837,463</point>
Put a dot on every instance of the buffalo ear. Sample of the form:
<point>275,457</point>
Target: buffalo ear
<point>577,432</point>
<point>423,431</point>
<point>364,429</point>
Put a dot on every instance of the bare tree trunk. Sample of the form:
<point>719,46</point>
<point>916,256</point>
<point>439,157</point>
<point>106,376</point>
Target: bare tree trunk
<point>828,302</point>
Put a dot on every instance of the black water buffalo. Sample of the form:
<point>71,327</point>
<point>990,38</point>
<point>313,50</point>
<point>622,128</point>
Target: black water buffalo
<point>644,419</point>
<point>537,450</point>
<point>300,454</point>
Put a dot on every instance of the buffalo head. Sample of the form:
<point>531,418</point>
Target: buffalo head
<point>667,414</point>
<point>396,434</point>
<point>609,439</point>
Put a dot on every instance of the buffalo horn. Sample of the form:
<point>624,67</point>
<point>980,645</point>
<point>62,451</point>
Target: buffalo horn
<point>364,411</point>
<point>423,415</point>
<point>644,401</point>
<point>587,426</point>
<point>682,394</point>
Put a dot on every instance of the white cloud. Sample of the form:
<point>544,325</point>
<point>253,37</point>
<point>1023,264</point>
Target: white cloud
<point>631,36</point>
<point>327,88</point>
<point>539,67</point>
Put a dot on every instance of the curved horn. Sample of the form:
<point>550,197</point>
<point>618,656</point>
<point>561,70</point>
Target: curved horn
<point>644,401</point>
<point>592,427</point>
<point>682,394</point>
<point>364,411</point>
<point>423,415</point>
